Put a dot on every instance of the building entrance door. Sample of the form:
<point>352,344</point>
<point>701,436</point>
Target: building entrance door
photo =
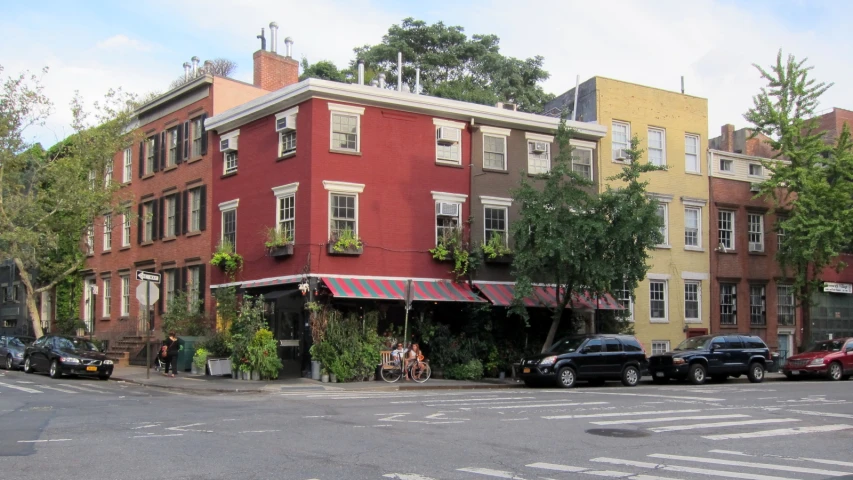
<point>785,343</point>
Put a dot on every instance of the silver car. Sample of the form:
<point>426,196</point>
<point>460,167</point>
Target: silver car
<point>12,350</point>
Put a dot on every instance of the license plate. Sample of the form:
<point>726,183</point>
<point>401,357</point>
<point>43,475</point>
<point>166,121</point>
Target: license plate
<point>795,372</point>
<point>91,369</point>
<point>659,374</point>
<point>526,370</point>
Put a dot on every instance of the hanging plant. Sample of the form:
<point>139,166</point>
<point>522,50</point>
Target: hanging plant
<point>226,258</point>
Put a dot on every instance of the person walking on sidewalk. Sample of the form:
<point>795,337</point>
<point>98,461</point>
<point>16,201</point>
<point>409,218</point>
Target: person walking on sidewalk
<point>173,346</point>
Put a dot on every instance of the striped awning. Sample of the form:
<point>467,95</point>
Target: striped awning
<point>394,289</point>
<point>267,282</point>
<point>502,294</point>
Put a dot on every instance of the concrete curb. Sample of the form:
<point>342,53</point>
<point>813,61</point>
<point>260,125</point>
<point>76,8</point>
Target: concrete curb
<point>187,389</point>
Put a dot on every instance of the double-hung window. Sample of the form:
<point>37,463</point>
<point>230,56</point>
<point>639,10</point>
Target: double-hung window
<point>692,301</point>
<point>726,229</point>
<point>90,239</point>
<point>494,224</point>
<point>285,125</point>
<point>285,205</point>
<point>345,127</point>
<point>127,173</point>
<point>757,305</point>
<point>150,155</point>
<point>538,153</point>
<point>660,346</point>
<point>755,224</point>
<point>664,229</point>
<point>343,208</point>
<point>755,170</point>
<point>197,132</point>
<point>171,216</point>
<point>448,213</point>
<point>785,304</point>
<point>625,297</point>
<point>286,143</point>
<point>230,162</point>
<point>107,297</point>
<point>621,141</point>
<point>448,141</point>
<point>125,295</point>
<point>692,227</point>
<point>194,284</point>
<point>125,230</point>
<point>657,147</point>
<point>108,174</point>
<point>148,222</point>
<point>171,281</point>
<point>228,145</point>
<point>728,304</point>
<point>780,234</point>
<point>494,152</point>
<point>582,162</point>
<point>657,300</point>
<point>691,153</point>
<point>195,209</point>
<point>108,232</point>
<point>229,223</point>
<point>172,158</point>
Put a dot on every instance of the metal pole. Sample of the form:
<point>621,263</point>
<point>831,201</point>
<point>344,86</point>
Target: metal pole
<point>406,328</point>
<point>147,329</point>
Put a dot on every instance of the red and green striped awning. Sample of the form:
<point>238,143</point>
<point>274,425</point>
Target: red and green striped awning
<point>502,294</point>
<point>393,289</point>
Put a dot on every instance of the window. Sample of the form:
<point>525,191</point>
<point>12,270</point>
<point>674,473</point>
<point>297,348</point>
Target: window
<point>125,230</point>
<point>754,170</point>
<point>755,224</point>
<point>728,304</point>
<point>446,220</point>
<point>692,227</point>
<point>127,174</point>
<point>494,152</point>
<point>108,174</point>
<point>197,131</point>
<point>286,142</point>
<point>785,304</point>
<point>664,229</point>
<point>287,216</point>
<point>691,153</point>
<point>345,132</point>
<point>621,141</point>
<point>92,180</point>
<point>229,228</point>
<point>150,155</point>
<point>692,302</point>
<point>494,223</point>
<point>108,232</point>
<point>107,304</point>
<point>757,305</point>
<point>171,216</point>
<point>125,295</point>
<point>194,284</point>
<point>195,210</point>
<point>626,298</point>
<point>448,143</point>
<point>780,234</point>
<point>725,165</point>
<point>657,299</point>
<point>726,229</point>
<point>593,346</point>
<point>660,346</point>
<point>148,222</point>
<point>582,162</point>
<point>171,281</point>
<point>343,214</point>
<point>172,158</point>
<point>538,157</point>
<point>90,239</point>
<point>230,162</point>
<point>657,147</point>
<point>612,345</point>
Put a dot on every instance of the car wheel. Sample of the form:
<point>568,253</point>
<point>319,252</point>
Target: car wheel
<point>697,374</point>
<point>28,367</point>
<point>660,380</point>
<point>566,377</point>
<point>8,362</point>
<point>55,371</point>
<point>103,377</point>
<point>755,374</point>
<point>630,376</point>
<point>835,372</point>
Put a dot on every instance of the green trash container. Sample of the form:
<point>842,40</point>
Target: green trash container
<point>185,356</point>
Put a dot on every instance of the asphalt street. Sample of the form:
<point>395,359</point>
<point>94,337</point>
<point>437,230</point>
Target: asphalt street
<point>113,430</point>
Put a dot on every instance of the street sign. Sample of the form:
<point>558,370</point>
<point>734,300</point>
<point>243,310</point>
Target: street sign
<point>144,276</point>
<point>153,294</point>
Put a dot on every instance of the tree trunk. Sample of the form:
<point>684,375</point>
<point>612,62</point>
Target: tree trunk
<point>555,324</point>
<point>805,305</point>
<point>31,299</point>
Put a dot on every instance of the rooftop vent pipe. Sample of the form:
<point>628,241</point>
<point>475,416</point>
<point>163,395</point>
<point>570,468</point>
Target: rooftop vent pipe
<point>273,37</point>
<point>381,80</point>
<point>417,80</point>
<point>288,47</point>
<point>361,72</point>
<point>195,65</point>
<point>186,71</point>
<point>399,71</point>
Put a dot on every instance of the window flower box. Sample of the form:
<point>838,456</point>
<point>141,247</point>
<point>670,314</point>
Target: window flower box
<point>505,259</point>
<point>348,250</point>
<point>281,251</point>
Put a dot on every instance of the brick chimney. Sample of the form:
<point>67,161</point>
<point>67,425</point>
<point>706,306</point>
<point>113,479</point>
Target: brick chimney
<point>728,139</point>
<point>274,71</point>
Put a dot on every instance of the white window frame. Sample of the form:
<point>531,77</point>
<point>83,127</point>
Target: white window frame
<point>653,280</point>
<point>665,231</point>
<point>760,168</point>
<point>127,174</point>
<point>108,174</point>
<point>575,162</point>
<point>785,291</point>
<point>441,123</point>
<point>108,232</point>
<point>171,211</point>
<point>505,232</point>
<point>196,129</point>
<point>148,222</point>
<point>150,156</point>
<point>531,138</point>
<point>759,309</point>
<point>729,162</point>
<point>194,224</point>
<point>125,295</point>
<point>282,195</point>
<point>173,150</point>
<point>125,230</point>
<point>662,147</point>
<point>345,110</point>
<point>444,197</point>
<point>342,188</point>
<point>90,239</point>
<point>659,344</point>
<point>755,230</point>
<point>283,143</point>
<point>698,300</point>
<point>497,133</point>
<point>697,157</point>
<point>193,280</point>
<point>626,299</point>
<point>620,145</point>
<point>170,287</point>
<point>731,243</point>
<point>225,208</point>
<point>230,162</point>
<point>733,305</point>
<point>106,304</point>
<point>698,210</point>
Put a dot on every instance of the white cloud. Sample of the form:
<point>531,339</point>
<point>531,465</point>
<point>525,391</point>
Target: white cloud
<point>123,43</point>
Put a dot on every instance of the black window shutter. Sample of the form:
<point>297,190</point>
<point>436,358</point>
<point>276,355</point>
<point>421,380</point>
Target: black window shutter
<point>156,152</point>
<point>183,286</point>
<point>201,274</point>
<point>162,225</point>
<point>163,150</point>
<point>178,214</point>
<point>162,294</point>
<point>155,219</point>
<point>186,139</point>
<point>180,143</point>
<point>142,159</point>
<point>202,221</point>
<point>139,225</point>
<point>203,135</point>
<point>185,212</point>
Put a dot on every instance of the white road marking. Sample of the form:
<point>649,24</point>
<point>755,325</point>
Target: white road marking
<point>678,428</point>
<point>543,405</point>
<point>599,473</point>
<point>23,389</point>
<point>514,419</point>
<point>822,414</point>
<point>183,428</point>
<point>491,473</point>
<point>23,381</point>
<point>782,457</point>
<point>677,468</point>
<point>259,431</point>
<point>617,414</point>
<point>84,389</point>
<point>406,476</point>
<point>158,436</point>
<point>767,466</point>
<point>668,419</point>
<point>145,426</point>
<point>556,467</point>
<point>466,400</point>
<point>701,399</point>
<point>58,389</point>
<point>779,432</point>
<point>43,441</point>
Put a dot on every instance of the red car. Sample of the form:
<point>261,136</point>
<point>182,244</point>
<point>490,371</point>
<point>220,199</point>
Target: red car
<point>829,358</point>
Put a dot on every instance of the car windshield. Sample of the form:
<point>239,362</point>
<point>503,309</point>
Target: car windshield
<point>75,344</point>
<point>695,343</point>
<point>567,345</point>
<point>827,346</point>
<point>20,341</point>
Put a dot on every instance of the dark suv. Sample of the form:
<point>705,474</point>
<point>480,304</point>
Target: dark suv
<point>587,357</point>
<point>715,356</point>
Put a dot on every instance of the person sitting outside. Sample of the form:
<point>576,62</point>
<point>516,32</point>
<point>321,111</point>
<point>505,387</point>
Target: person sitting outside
<point>414,357</point>
<point>398,354</point>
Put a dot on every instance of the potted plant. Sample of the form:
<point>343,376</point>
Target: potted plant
<point>324,376</point>
<point>263,356</point>
<point>451,248</point>
<point>345,242</point>
<point>199,361</point>
<point>226,258</point>
<point>496,251</point>
<point>279,242</point>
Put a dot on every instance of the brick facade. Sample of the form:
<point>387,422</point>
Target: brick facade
<point>273,71</point>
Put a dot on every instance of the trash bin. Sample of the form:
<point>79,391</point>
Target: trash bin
<point>185,356</point>
<point>315,370</point>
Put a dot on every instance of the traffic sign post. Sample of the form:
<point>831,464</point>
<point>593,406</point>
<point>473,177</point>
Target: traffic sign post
<point>409,296</point>
<point>147,294</point>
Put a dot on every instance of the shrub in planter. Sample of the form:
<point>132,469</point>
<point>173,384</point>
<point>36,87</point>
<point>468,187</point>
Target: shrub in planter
<point>262,353</point>
<point>200,360</point>
<point>226,258</point>
<point>473,370</point>
<point>350,347</point>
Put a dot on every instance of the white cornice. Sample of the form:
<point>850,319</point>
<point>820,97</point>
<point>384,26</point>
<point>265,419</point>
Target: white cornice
<point>229,205</point>
<point>538,137</point>
<point>287,113</point>
<point>230,135</point>
<point>582,143</point>
<point>177,92</point>
<point>335,107</point>
<point>504,132</point>
<point>499,201</point>
<point>285,190</point>
<point>346,187</point>
<point>449,197</point>
<point>440,122</point>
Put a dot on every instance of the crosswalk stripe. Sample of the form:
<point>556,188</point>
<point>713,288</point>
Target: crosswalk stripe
<point>18,387</point>
<point>529,405</point>
<point>58,389</point>
<point>491,473</point>
<point>822,414</point>
<point>782,457</point>
<point>668,419</point>
<point>598,473</point>
<point>682,469</point>
<point>556,467</point>
<point>468,400</point>
<point>779,432</point>
<point>617,414</point>
<point>736,463</point>
<point>678,428</point>
<point>84,389</point>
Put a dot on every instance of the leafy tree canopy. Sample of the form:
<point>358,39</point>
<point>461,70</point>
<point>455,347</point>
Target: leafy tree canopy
<point>324,70</point>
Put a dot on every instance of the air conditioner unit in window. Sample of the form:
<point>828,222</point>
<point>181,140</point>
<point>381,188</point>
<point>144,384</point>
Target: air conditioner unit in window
<point>540,147</point>
<point>448,135</point>
<point>756,247</point>
<point>285,124</point>
<point>620,154</point>
<point>228,145</point>
<point>754,187</point>
<point>448,209</point>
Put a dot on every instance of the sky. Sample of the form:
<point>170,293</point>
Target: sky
<point>92,46</point>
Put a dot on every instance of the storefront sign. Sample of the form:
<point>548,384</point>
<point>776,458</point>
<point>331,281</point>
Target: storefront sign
<point>289,343</point>
<point>833,287</point>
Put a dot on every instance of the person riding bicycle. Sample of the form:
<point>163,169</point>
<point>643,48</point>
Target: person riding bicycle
<point>414,357</point>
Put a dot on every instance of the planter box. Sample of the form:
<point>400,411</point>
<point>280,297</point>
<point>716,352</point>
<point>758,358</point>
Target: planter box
<point>499,260</point>
<point>348,251</point>
<point>282,251</point>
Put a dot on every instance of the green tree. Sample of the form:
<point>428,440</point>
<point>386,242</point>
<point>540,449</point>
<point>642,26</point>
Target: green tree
<point>325,70</point>
<point>455,66</point>
<point>569,236</point>
<point>49,200</point>
<point>812,177</point>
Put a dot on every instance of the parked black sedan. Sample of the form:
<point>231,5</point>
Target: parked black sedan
<point>12,350</point>
<point>60,355</point>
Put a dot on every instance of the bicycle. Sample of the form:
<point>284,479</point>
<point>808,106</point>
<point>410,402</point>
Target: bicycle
<point>392,371</point>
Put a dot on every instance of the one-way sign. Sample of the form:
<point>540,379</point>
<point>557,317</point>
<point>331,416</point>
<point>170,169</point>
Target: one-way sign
<point>143,276</point>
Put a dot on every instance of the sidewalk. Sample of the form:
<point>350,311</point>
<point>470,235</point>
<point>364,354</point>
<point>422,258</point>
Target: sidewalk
<point>210,384</point>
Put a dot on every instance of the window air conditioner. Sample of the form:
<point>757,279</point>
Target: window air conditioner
<point>540,147</point>
<point>448,209</point>
<point>228,145</point>
<point>756,247</point>
<point>620,154</point>
<point>285,124</point>
<point>754,187</point>
<point>448,135</point>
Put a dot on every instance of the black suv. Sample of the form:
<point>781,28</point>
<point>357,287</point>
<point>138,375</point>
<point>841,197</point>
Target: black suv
<point>587,357</point>
<point>715,356</point>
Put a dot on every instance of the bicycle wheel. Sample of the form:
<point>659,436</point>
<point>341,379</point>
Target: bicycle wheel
<point>390,373</point>
<point>421,374</point>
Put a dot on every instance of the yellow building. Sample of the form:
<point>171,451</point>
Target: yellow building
<point>673,302</point>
